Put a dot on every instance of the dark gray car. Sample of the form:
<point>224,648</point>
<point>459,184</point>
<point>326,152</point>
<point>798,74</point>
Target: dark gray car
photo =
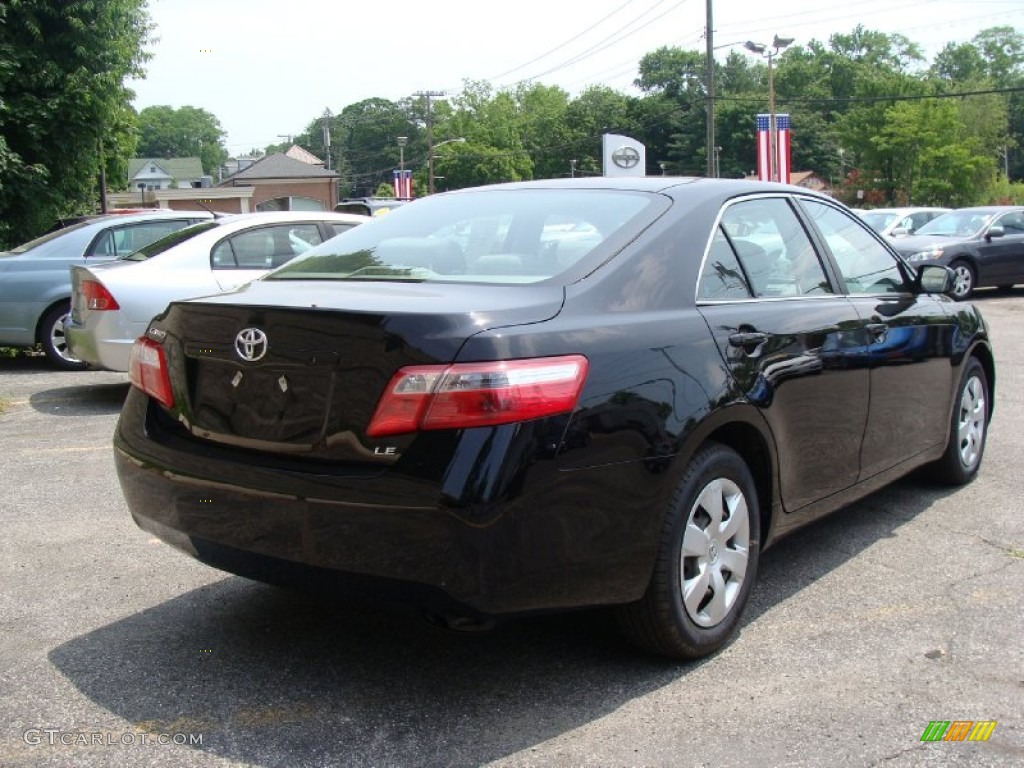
<point>984,246</point>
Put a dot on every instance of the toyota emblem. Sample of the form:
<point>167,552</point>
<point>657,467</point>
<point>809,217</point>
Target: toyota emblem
<point>625,157</point>
<point>251,344</point>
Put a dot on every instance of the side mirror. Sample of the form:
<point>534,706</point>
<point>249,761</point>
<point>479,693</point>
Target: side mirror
<point>935,278</point>
<point>996,230</point>
<point>898,231</point>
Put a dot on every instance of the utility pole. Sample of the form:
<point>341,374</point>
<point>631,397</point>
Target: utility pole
<point>430,136</point>
<point>327,136</point>
<point>710,86</point>
<point>103,179</point>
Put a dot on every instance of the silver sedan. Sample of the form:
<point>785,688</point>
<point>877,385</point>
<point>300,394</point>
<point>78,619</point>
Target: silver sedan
<point>111,304</point>
<point>34,288</point>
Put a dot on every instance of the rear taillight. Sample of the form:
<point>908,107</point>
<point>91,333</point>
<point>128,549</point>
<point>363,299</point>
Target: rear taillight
<point>477,394</point>
<point>97,296</point>
<point>147,368</point>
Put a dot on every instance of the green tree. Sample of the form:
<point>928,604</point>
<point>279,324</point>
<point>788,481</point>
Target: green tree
<point>932,160</point>
<point>183,132</point>
<point>596,111</point>
<point>64,108</point>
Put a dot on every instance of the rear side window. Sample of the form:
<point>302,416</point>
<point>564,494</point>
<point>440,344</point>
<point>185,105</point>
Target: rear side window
<point>722,277</point>
<point>499,236</point>
<point>265,247</point>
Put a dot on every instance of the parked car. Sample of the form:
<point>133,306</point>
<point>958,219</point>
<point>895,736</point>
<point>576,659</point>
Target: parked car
<point>35,287</point>
<point>895,222</point>
<point>492,426</point>
<point>112,303</point>
<point>369,206</point>
<point>984,246</point>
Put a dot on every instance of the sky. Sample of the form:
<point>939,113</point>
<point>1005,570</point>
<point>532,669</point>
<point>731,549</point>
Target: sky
<point>267,68</point>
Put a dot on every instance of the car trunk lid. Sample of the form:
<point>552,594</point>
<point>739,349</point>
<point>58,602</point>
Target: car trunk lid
<point>298,367</point>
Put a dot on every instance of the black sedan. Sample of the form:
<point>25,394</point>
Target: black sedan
<point>550,395</point>
<point>984,246</point>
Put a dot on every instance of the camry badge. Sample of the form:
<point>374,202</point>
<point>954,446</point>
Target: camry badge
<point>251,344</point>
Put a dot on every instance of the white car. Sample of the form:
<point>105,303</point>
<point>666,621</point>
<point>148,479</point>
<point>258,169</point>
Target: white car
<point>894,222</point>
<point>112,304</point>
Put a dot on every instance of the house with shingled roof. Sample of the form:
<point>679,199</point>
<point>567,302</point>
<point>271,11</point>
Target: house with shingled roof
<point>283,183</point>
<point>166,173</point>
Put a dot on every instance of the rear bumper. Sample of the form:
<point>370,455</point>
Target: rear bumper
<point>100,346</point>
<point>545,539</point>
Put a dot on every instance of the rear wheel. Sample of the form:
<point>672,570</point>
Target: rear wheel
<point>54,341</point>
<point>706,563</point>
<point>966,446</point>
<point>963,280</point>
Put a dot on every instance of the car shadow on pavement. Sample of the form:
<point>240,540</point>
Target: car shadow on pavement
<point>269,676</point>
<point>85,400</point>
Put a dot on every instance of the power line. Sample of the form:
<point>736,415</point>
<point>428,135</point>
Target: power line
<point>557,48</point>
<point>873,99</point>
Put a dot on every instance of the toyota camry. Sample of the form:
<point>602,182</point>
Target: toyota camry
<point>552,395</point>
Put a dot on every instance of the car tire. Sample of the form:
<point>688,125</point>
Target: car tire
<point>963,280</point>
<point>701,581</point>
<point>968,429</point>
<point>53,340</point>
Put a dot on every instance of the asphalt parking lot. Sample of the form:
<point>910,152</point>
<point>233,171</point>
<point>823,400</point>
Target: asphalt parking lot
<point>116,650</point>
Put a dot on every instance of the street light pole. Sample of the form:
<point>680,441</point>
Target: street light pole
<point>430,159</point>
<point>402,141</point>
<point>778,43</point>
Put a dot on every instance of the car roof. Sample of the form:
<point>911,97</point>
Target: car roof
<point>286,216</point>
<point>679,187</point>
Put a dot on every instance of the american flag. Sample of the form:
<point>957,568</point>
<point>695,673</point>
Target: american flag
<point>403,184</point>
<point>782,147</point>
<point>764,148</point>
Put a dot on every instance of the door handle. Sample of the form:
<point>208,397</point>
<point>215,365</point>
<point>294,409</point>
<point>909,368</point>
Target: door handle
<point>748,341</point>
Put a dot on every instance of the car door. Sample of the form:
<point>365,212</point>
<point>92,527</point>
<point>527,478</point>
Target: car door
<point>247,255</point>
<point>784,331</point>
<point>1003,255</point>
<point>907,341</point>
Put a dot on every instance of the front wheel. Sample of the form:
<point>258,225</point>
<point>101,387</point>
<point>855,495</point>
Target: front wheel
<point>54,341</point>
<point>963,280</point>
<point>706,563</point>
<point>966,446</point>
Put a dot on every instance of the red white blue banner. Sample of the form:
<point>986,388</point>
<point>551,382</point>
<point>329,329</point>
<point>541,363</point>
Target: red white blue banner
<point>764,148</point>
<point>403,184</point>
<point>782,148</point>
<point>780,163</point>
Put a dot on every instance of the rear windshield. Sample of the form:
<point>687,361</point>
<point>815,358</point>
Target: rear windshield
<point>24,247</point>
<point>488,236</point>
<point>169,241</point>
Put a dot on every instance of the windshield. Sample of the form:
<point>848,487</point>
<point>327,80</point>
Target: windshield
<point>488,236</point>
<point>169,241</point>
<point>957,224</point>
<point>878,220</point>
